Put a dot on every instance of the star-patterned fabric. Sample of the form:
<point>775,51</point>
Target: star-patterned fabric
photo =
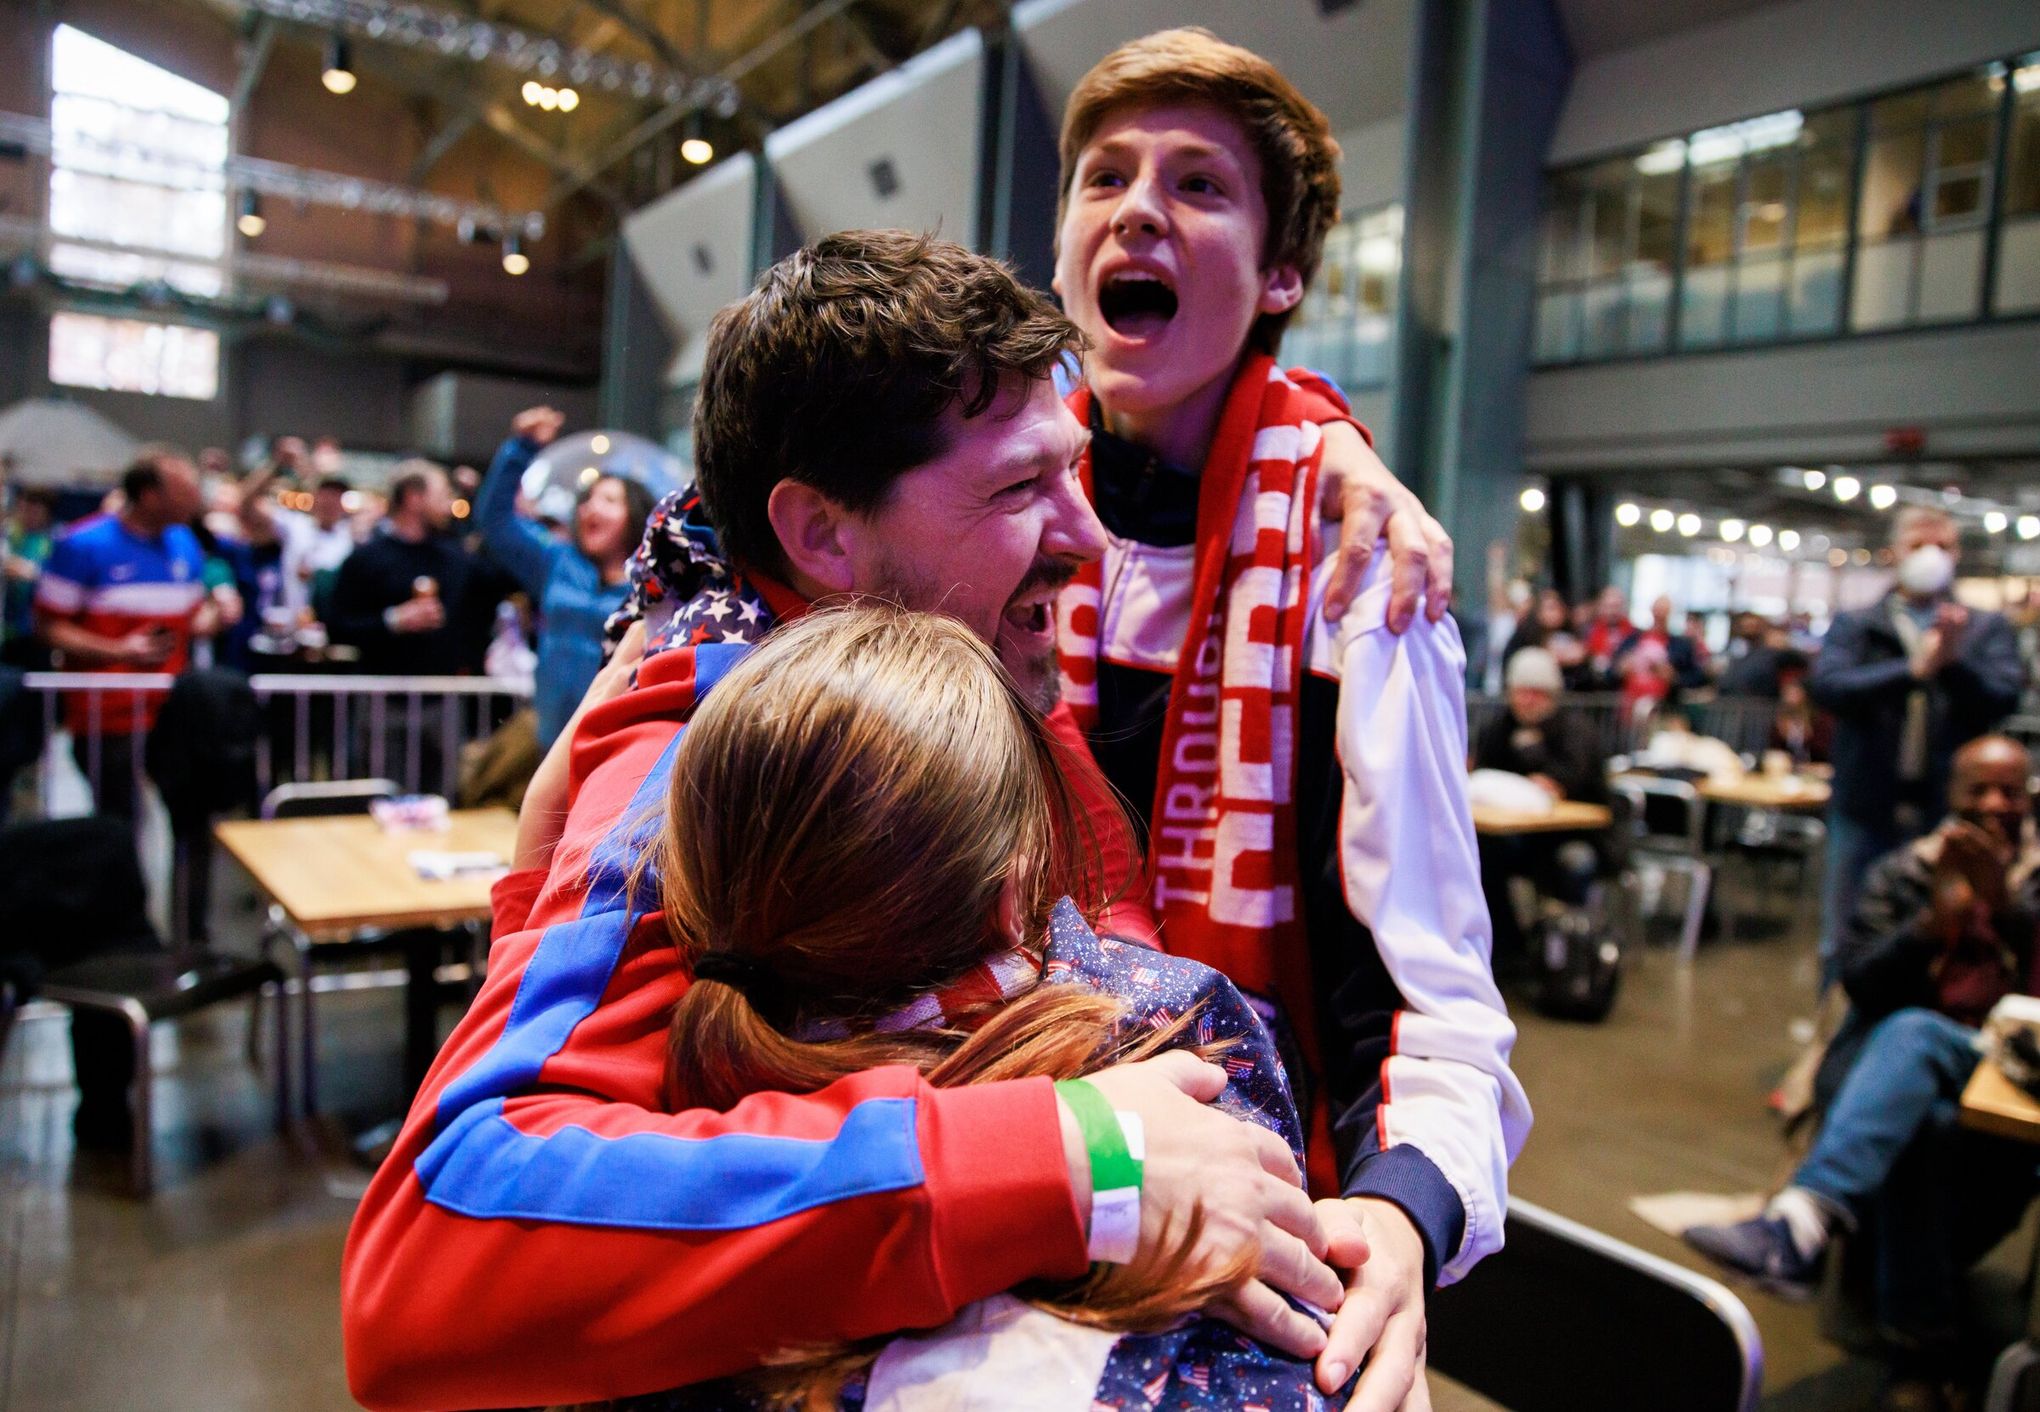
<point>1201,1363</point>
<point>683,588</point>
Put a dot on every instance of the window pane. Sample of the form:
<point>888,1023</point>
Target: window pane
<point>1951,277</point>
<point>1882,297</point>
<point>1900,110</point>
<point>1703,308</point>
<point>1759,291</point>
<point>1972,93</point>
<point>1608,217</point>
<point>2022,164</point>
<point>1764,202</point>
<point>1558,338</point>
<point>1826,165</point>
<point>1965,143</point>
<point>1650,303</point>
<point>131,355</point>
<point>1891,187</point>
<point>1657,220</point>
<point>1601,333</point>
<point>1710,233</point>
<point>1957,198</point>
<point>2018,268</point>
<point>1562,255</point>
<point>1814,302</point>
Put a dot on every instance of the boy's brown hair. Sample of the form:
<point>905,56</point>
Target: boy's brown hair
<point>1299,157</point>
<point>837,369</point>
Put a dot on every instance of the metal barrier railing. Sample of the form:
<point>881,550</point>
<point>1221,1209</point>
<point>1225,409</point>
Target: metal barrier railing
<point>1744,722</point>
<point>410,729</point>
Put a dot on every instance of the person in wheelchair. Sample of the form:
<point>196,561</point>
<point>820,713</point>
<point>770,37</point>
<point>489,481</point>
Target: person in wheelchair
<point>1946,927</point>
<point>1556,748</point>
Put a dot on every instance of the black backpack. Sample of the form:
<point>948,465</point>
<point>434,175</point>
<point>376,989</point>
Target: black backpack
<point>201,752</point>
<point>1576,962</point>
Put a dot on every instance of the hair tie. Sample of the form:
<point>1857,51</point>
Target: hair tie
<point>757,981</point>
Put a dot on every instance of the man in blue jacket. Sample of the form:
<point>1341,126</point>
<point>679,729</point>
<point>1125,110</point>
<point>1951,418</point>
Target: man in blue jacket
<point>1909,680</point>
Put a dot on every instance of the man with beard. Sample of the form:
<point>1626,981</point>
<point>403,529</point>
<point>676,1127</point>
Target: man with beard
<point>876,418</point>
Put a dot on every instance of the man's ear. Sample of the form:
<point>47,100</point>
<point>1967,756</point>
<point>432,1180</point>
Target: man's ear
<point>1281,290</point>
<point>810,529</point>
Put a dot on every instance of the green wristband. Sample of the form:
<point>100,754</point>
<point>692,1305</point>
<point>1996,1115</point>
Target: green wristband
<point>1113,1165</point>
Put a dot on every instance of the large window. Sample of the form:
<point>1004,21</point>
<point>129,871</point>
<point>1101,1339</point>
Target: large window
<point>133,355</point>
<point>1749,232</point>
<point>1344,327</point>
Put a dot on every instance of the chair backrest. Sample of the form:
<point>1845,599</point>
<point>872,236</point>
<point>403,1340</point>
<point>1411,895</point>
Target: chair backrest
<point>1571,1320</point>
<point>71,888</point>
<point>322,798</point>
<point>1666,812</point>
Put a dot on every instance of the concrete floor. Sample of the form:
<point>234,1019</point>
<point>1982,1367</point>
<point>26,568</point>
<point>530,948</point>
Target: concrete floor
<point>222,1292</point>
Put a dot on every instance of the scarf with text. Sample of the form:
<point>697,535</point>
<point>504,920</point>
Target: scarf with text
<point>1222,834</point>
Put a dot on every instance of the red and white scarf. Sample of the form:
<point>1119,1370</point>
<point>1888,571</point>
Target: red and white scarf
<point>1222,846</point>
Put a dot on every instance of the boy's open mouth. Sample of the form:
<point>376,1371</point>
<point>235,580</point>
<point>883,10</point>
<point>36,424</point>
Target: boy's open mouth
<point>1137,304</point>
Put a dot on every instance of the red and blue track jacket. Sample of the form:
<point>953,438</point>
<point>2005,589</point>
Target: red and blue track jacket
<point>543,1232</point>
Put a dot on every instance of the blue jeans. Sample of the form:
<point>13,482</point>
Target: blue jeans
<point>1852,846</point>
<point>1931,1197</point>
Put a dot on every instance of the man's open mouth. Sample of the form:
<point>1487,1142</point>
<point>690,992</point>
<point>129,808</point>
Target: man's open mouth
<point>1137,304</point>
<point>1032,619</point>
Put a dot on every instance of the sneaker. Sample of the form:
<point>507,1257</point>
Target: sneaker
<point>1762,1251</point>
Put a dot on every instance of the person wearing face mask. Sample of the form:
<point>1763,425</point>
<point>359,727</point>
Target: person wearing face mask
<point>1946,927</point>
<point>1908,680</point>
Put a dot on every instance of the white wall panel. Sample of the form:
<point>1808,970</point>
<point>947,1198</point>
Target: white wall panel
<point>901,151</point>
<point>692,246</point>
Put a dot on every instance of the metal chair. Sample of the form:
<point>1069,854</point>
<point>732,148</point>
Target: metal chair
<point>1567,1319</point>
<point>1683,851</point>
<point>323,798</point>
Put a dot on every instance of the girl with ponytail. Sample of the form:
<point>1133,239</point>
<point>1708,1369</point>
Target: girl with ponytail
<point>869,858</point>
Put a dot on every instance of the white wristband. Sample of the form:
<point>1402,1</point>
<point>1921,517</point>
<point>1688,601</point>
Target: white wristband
<point>1115,1213</point>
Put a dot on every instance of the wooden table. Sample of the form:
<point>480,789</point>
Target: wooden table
<point>338,877</point>
<point>1793,792</point>
<point>1566,816</point>
<point>1992,1103</point>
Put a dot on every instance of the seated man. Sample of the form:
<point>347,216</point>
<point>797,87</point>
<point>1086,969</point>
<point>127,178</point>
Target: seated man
<point>545,1231</point>
<point>1558,749</point>
<point>1946,926</point>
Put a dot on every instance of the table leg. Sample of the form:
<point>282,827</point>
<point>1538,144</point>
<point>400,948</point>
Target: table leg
<point>422,950</point>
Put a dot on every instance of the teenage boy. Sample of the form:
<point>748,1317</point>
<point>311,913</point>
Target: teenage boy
<point>1302,783</point>
<point>544,1230</point>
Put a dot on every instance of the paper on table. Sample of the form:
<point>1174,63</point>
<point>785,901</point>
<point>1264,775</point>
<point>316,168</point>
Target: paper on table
<point>439,865</point>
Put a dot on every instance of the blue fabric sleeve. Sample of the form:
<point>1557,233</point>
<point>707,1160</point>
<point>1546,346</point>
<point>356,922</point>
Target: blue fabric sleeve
<point>521,547</point>
<point>1410,1180</point>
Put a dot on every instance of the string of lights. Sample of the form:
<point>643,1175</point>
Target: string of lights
<point>486,41</point>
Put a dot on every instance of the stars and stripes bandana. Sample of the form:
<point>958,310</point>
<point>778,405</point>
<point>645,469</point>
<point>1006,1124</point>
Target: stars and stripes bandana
<point>1222,836</point>
<point>684,589</point>
<point>962,1004</point>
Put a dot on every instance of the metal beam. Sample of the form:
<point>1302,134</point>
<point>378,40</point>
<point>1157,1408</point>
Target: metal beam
<point>256,61</point>
<point>441,143</point>
<point>732,73</point>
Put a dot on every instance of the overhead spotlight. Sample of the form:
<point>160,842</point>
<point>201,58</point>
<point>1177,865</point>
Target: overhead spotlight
<point>250,222</point>
<point>338,75</point>
<point>1837,558</point>
<point>569,100</point>
<point>1883,497</point>
<point>1662,520</point>
<point>1859,557</point>
<point>532,88</point>
<point>599,444</point>
<point>548,98</point>
<point>697,149</point>
<point>1732,530</point>
<point>1994,521</point>
<point>515,261</point>
<point>1532,500</point>
<point>1847,488</point>
<point>1760,535</point>
<point>461,509</point>
<point>589,475</point>
<point>1627,514</point>
<point>2029,526</point>
<point>1788,540</point>
<point>1815,479</point>
<point>1689,524</point>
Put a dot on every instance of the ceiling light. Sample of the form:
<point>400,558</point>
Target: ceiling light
<point>1732,530</point>
<point>338,75</point>
<point>515,261</point>
<point>1847,488</point>
<point>1883,497</point>
<point>1788,540</point>
<point>1815,479</point>
<point>1662,520</point>
<point>1860,557</point>
<point>1532,500</point>
<point>548,98</point>
<point>1689,524</point>
<point>569,100</point>
<point>532,88</point>
<point>1994,521</point>
<point>250,222</point>
<point>2029,526</point>
<point>1837,558</point>
<point>1627,514</point>
<point>599,444</point>
<point>1760,535</point>
<point>698,150</point>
